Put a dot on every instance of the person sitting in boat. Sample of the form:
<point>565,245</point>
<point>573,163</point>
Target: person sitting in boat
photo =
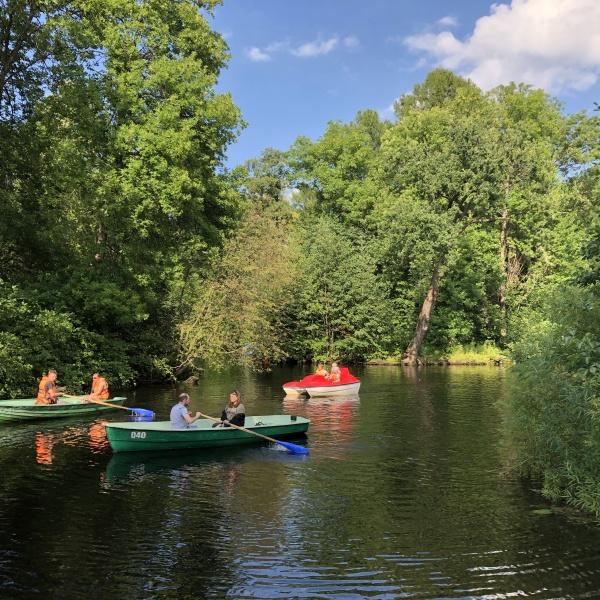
<point>321,370</point>
<point>234,413</point>
<point>335,373</point>
<point>180,415</point>
<point>99,388</point>
<point>48,393</point>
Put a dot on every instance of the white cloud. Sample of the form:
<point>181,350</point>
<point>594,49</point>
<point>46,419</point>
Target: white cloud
<point>315,48</point>
<point>308,50</point>
<point>553,44</point>
<point>351,42</point>
<point>257,55</point>
<point>448,21</point>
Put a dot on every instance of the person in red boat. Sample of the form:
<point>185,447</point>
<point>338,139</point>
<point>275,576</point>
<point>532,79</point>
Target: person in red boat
<point>321,370</point>
<point>335,373</point>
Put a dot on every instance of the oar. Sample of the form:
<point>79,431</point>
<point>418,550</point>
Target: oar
<point>291,447</point>
<point>138,411</point>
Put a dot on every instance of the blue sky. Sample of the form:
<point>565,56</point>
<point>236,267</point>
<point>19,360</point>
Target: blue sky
<point>295,66</point>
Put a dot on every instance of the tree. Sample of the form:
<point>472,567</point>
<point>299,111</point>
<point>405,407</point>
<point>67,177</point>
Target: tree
<point>336,173</point>
<point>444,162</point>
<point>117,192</point>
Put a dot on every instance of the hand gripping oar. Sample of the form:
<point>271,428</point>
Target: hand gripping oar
<point>137,411</point>
<point>291,447</point>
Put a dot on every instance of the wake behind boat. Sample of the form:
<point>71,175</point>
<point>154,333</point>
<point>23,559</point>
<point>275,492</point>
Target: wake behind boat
<point>318,385</point>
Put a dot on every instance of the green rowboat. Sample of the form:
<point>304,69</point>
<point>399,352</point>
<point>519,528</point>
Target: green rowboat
<point>26,409</point>
<point>158,435</point>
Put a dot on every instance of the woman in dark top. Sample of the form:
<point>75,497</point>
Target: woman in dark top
<point>234,413</point>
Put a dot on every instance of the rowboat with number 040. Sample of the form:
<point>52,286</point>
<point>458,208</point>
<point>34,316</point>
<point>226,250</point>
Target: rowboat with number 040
<point>159,435</point>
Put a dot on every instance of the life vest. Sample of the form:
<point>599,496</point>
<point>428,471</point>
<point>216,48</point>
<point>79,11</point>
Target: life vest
<point>97,388</point>
<point>41,396</point>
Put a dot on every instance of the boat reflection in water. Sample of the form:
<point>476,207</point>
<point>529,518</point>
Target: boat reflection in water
<point>137,466</point>
<point>332,420</point>
<point>98,440</point>
<point>47,442</point>
<point>44,443</point>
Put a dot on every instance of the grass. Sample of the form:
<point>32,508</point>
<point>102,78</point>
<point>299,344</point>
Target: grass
<point>471,354</point>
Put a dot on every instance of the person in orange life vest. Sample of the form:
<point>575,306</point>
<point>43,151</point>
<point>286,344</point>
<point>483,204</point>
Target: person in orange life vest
<point>99,388</point>
<point>321,370</point>
<point>48,393</point>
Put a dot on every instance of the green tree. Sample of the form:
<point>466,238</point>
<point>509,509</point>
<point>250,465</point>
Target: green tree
<point>342,305</point>
<point>443,162</point>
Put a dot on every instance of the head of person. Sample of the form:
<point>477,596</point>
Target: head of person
<point>184,399</point>
<point>96,376</point>
<point>235,397</point>
<point>320,364</point>
<point>52,374</point>
<point>334,365</point>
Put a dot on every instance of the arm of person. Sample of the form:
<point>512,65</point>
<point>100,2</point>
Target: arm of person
<point>238,420</point>
<point>191,419</point>
<point>49,393</point>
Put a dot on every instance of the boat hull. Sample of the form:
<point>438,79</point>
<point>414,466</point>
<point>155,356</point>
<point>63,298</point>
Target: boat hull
<point>320,386</point>
<point>343,389</point>
<point>158,435</point>
<point>292,390</point>
<point>25,409</point>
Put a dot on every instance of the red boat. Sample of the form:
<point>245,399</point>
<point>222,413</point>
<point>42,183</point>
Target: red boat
<point>317,385</point>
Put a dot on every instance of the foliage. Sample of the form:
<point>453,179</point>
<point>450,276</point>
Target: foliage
<point>552,407</point>
<point>342,305</point>
<point>111,177</point>
<point>233,316</point>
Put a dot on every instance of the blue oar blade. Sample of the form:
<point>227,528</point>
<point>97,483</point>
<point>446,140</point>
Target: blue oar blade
<point>142,411</point>
<point>293,448</point>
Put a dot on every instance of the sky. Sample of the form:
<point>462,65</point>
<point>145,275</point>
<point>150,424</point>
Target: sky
<point>297,65</point>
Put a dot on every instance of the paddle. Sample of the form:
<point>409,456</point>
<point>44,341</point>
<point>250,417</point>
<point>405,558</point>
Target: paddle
<point>138,411</point>
<point>291,447</point>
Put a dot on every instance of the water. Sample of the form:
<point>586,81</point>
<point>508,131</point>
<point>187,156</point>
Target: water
<point>403,495</point>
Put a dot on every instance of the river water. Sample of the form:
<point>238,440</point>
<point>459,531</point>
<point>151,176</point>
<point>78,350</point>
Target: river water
<point>403,495</point>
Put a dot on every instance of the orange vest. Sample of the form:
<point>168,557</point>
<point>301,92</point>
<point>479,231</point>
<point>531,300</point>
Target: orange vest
<point>41,397</point>
<point>102,395</point>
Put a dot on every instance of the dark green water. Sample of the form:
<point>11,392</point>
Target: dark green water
<point>402,496</point>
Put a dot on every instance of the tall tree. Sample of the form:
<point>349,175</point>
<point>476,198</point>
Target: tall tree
<point>446,161</point>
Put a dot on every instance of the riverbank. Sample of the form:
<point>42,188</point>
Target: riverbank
<point>486,355</point>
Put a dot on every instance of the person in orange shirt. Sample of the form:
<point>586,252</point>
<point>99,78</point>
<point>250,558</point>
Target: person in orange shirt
<point>99,388</point>
<point>48,393</point>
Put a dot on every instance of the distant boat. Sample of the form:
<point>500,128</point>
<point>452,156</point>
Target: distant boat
<point>318,385</point>
<point>159,435</point>
<point>25,409</point>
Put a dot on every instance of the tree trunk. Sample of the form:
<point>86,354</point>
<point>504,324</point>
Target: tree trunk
<point>503,267</point>
<point>411,354</point>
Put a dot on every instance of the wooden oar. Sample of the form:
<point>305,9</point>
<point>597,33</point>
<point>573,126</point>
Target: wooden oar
<point>138,411</point>
<point>291,447</point>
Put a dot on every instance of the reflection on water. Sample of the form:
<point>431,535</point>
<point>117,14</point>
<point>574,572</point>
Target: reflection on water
<point>43,448</point>
<point>402,496</point>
